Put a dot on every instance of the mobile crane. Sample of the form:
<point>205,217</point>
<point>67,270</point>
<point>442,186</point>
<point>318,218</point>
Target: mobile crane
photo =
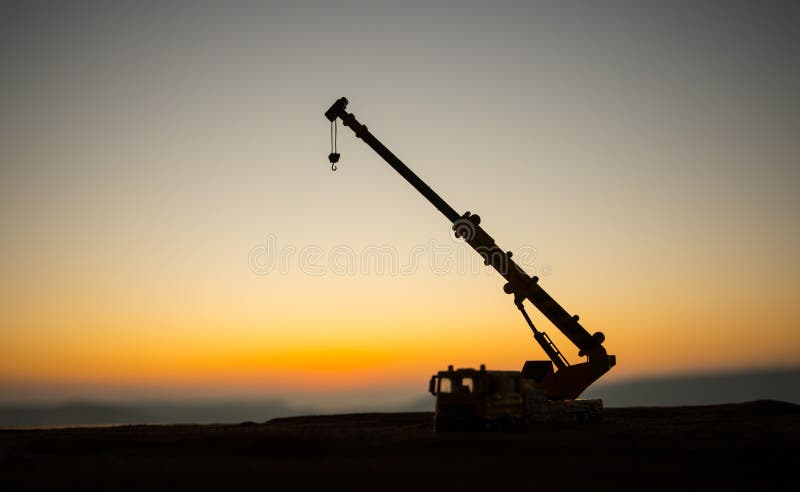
<point>477,397</point>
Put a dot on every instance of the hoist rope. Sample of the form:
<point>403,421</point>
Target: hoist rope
<point>334,156</point>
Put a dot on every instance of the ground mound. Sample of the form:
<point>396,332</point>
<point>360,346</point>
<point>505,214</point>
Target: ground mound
<point>731,447</point>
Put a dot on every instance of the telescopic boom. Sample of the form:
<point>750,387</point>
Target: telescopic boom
<point>569,380</point>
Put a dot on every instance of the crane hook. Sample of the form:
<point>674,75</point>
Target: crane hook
<point>333,157</point>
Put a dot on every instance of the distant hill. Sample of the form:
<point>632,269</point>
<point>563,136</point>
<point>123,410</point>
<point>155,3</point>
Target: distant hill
<point>94,413</point>
<point>781,385</point>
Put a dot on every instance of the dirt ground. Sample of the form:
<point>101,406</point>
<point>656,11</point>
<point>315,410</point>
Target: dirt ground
<point>750,446</point>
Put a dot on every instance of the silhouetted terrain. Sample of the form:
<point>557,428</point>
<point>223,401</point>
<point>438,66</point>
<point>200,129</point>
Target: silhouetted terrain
<point>93,413</point>
<point>187,412</point>
<point>750,446</point>
<point>701,389</point>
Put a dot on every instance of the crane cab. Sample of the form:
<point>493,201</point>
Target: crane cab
<point>476,398</point>
<point>480,399</point>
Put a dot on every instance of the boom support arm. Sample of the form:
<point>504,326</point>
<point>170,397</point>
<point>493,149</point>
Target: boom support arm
<point>574,379</point>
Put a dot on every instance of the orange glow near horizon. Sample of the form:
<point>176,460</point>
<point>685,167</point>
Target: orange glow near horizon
<point>232,332</point>
<point>288,350</point>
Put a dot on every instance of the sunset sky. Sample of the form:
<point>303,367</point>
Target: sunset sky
<point>159,159</point>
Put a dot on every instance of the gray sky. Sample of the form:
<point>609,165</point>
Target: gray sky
<point>647,150</point>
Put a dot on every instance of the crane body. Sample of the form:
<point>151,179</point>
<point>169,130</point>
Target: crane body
<point>538,381</point>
